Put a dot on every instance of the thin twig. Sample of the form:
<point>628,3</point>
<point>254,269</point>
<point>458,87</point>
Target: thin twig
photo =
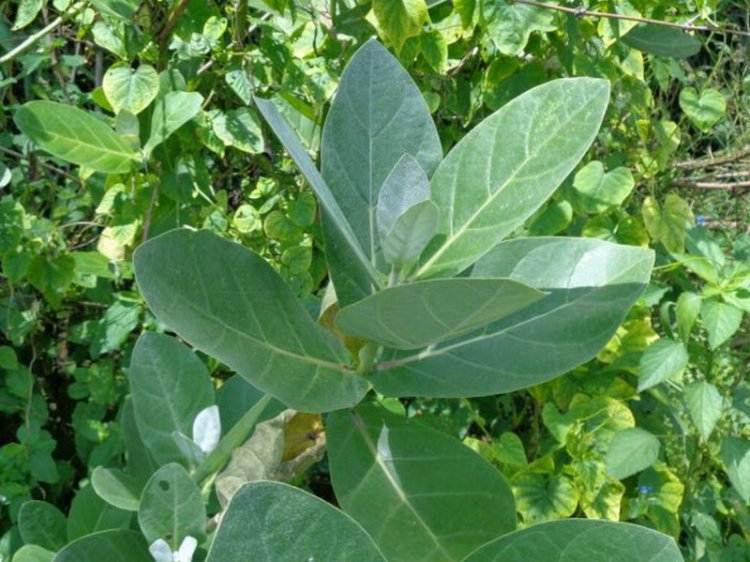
<point>712,184</point>
<point>174,17</point>
<point>50,167</point>
<point>31,39</point>
<point>583,12</point>
<point>713,162</point>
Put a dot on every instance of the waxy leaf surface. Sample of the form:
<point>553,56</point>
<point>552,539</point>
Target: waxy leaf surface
<point>426,312</point>
<point>111,546</point>
<point>377,116</point>
<point>73,135</point>
<point>580,540</point>
<point>228,302</point>
<point>277,522</point>
<point>420,494</point>
<point>591,284</point>
<point>509,165</point>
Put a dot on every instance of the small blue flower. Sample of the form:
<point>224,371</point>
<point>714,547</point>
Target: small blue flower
<point>700,220</point>
<point>645,489</point>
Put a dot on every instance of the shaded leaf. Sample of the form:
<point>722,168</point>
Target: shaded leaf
<point>196,283</point>
<point>416,315</point>
<point>42,524</point>
<point>662,41</point>
<point>112,546</point>
<point>687,310</point>
<point>631,450</point>
<point>171,112</point>
<point>90,514</point>
<point>735,453</point>
<point>380,468</point>
<point>705,405</point>
<point>239,128</point>
<point>286,523</point>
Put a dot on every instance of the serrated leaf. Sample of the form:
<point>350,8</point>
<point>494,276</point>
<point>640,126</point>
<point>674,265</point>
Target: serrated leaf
<point>630,451</point>
<point>171,111</point>
<point>721,321</point>
<point>580,540</point>
<point>171,507</point>
<point>377,116</point>
<point>735,453</point>
<point>664,359</point>
<point>130,90</point>
<point>585,278</point>
<point>704,109</point>
<point>89,143</point>
<point>426,312</point>
<point>662,41</point>
<point>400,19</point>
<point>687,310</point>
<point>599,190</point>
<point>379,471</point>
<point>196,283</point>
<point>491,182</point>
<point>286,523</point>
<point>705,405</point>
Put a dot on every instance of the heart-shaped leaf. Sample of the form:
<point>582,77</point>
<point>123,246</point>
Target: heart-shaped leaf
<point>599,190</point>
<point>130,90</point>
<point>662,41</point>
<point>580,540</point>
<point>668,224</point>
<point>228,302</point>
<point>585,278</point>
<point>426,312</point>
<point>380,468</point>
<point>492,181</point>
<point>704,109</point>
<point>286,523</point>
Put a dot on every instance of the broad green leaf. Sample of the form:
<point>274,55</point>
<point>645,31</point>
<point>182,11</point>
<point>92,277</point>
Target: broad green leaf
<point>410,234</point>
<point>240,82</point>
<point>171,112</point>
<point>75,136</point>
<point>42,524</point>
<point>400,19</point>
<point>382,473</point>
<point>541,497</point>
<point>26,12</point>
<point>491,182</point>
<point>169,386</point>
<point>285,523</point>
<point>33,553</point>
<point>662,41</point>
<point>585,278</point>
<point>631,450</point>
<point>130,90</point>
<point>426,312</point>
<point>687,310</point>
<point>119,8</point>
<point>599,190</point>
<point>171,507</point>
<point>8,358</point>
<point>664,359</point>
<point>704,109</point>
<point>334,213</point>
<point>434,49</point>
<point>199,285</point>
<point>112,546</point>
<point>721,321</point>
<point>377,116</point>
<point>90,514</point>
<point>114,327</point>
<point>239,128</point>
<point>668,224</point>
<point>116,487</point>
<point>580,540</point>
<point>508,25</point>
<point>236,396</point>
<point>140,463</point>
<point>705,405</point>
<point>735,453</point>
<point>553,219</point>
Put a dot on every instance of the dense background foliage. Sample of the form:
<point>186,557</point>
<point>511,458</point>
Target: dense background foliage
<point>656,430</point>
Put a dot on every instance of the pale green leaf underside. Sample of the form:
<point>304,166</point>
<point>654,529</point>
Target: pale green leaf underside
<point>130,90</point>
<point>228,302</point>
<point>591,285</point>
<point>410,234</point>
<point>73,135</point>
<point>274,522</point>
<point>405,186</point>
<point>112,546</point>
<point>580,540</point>
<point>169,385</point>
<point>116,487</point>
<point>377,116</point>
<point>509,165</point>
<point>427,312</point>
<point>381,472</point>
